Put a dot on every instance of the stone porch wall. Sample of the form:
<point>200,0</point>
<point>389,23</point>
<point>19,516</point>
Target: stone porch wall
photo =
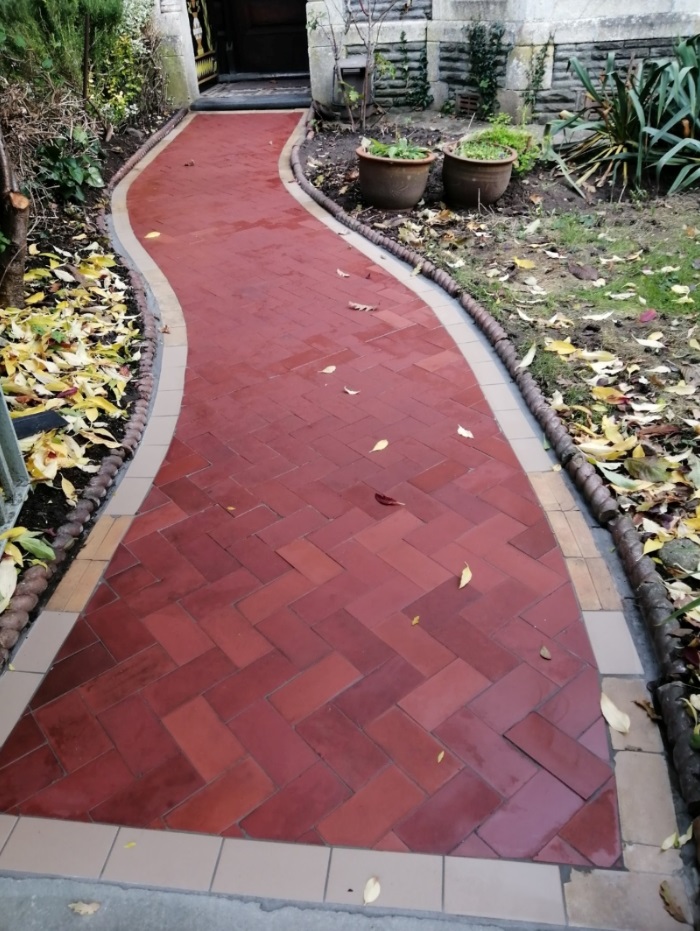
<point>582,28</point>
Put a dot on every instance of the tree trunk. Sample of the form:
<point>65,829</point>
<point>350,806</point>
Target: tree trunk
<point>14,224</point>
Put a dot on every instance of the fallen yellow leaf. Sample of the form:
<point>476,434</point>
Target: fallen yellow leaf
<point>466,577</point>
<point>329,369</point>
<point>618,720</point>
<point>524,263</point>
<point>416,620</point>
<point>379,445</point>
<point>372,890</point>
<point>441,756</point>
<point>152,235</point>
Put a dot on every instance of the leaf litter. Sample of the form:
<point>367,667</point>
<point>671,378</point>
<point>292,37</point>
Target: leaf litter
<point>72,351</point>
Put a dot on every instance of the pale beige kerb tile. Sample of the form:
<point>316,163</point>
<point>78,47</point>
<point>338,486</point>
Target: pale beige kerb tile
<point>612,644</point>
<point>644,734</point>
<point>7,823</point>
<point>583,584</point>
<point>105,537</point>
<point>77,585</point>
<point>564,534</point>
<point>582,532</point>
<point>617,901</point>
<point>500,889</point>
<point>644,798</point>
<point>605,585</point>
<point>641,858</point>
<point>407,880</point>
<point>531,454</point>
<point>553,491</point>
<point>163,858</point>
<point>16,691</point>
<point>58,848</point>
<point>263,869</point>
<point>130,494</point>
<point>44,640</point>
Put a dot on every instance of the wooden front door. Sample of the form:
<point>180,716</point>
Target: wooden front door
<point>268,36</point>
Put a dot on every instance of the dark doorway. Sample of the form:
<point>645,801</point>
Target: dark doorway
<point>263,36</point>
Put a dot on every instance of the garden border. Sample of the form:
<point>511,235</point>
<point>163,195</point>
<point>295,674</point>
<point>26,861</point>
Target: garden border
<point>645,581</point>
<point>33,582</point>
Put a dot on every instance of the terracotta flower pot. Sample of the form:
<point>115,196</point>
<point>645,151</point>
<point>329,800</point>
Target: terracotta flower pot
<point>393,183</point>
<point>469,182</point>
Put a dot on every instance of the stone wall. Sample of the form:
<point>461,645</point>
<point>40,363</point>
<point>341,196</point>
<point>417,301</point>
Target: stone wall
<point>409,66</point>
<point>398,10</point>
<point>566,91</point>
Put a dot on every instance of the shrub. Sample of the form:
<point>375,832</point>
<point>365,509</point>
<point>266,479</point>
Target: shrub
<point>70,163</point>
<point>503,134</point>
<point>644,121</point>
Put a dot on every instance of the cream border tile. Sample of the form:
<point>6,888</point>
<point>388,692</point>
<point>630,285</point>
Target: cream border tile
<point>528,892</point>
<point>44,640</point>
<point>410,881</point>
<point>163,858</point>
<point>613,647</point>
<point>16,691</point>
<point>621,901</point>
<point>7,824</point>
<point>58,848</point>
<point>647,815</point>
<point>264,869</point>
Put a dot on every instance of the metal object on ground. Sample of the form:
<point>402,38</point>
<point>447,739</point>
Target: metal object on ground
<point>14,480</point>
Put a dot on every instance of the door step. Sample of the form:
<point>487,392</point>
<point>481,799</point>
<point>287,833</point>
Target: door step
<point>268,93</point>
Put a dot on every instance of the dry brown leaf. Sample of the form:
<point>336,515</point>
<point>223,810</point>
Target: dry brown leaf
<point>648,707</point>
<point>372,890</point>
<point>416,620</point>
<point>545,653</point>
<point>670,904</point>
<point>441,756</point>
<point>618,720</point>
<point>388,501</point>
<point>85,908</point>
<point>466,577</point>
<point>379,445</point>
<point>365,308</point>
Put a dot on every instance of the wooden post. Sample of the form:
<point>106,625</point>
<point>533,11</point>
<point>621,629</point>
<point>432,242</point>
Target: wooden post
<point>14,224</point>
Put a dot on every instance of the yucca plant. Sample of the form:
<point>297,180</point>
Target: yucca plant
<point>635,122</point>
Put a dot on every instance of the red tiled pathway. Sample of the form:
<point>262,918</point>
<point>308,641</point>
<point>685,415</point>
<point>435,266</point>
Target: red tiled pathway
<point>255,672</point>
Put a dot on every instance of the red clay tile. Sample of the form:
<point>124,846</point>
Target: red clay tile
<point>314,687</point>
<point>559,754</point>
<point>151,796</point>
<point>576,706</point>
<point>71,672</point>
<point>473,846</point>
<point>595,831</point>
<point>298,807</point>
<point>554,613</point>
<point>28,775</point>
<point>25,736</point>
<point>343,745</point>
<point>415,751</point>
<point>138,735</point>
<point>575,640</point>
<point>392,843</point>
<point>416,566</point>
<point>127,583</point>
<point>233,634</point>
<point>219,594</point>
<point>82,790</point>
<point>236,692</point>
<point>441,695</point>
<point>188,681</point>
<point>449,815</point>
<point>439,475</point>
<point>72,731</point>
<point>486,752</point>
<point>389,531</point>
<point>126,678</point>
<point>530,818</point>
<point>536,540</point>
<point>272,742</point>
<point>204,739</point>
<point>527,643</point>
<point>512,697</point>
<point>177,633</point>
<point>371,812</point>
<point>378,691</point>
<point>258,558</point>
<point>558,851</point>
<point>293,637</point>
<point>412,642</point>
<point>597,740</point>
<point>308,559</point>
<point>81,636</point>
<point>275,595</point>
<point>103,595</point>
<point>223,802</point>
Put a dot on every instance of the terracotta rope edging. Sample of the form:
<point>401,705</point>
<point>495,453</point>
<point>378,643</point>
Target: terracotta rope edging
<point>645,581</point>
<point>34,581</point>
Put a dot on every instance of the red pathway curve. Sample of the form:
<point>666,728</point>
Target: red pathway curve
<point>255,672</point>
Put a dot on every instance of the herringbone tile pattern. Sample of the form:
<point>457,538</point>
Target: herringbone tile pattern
<point>250,665</point>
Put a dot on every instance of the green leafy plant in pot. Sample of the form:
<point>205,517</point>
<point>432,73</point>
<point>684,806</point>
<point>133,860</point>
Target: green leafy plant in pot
<point>393,175</point>
<point>476,171</point>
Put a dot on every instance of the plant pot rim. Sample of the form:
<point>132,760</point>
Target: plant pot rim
<point>449,147</point>
<point>428,160</point>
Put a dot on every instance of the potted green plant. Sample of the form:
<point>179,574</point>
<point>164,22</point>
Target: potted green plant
<point>476,171</point>
<point>393,175</point>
